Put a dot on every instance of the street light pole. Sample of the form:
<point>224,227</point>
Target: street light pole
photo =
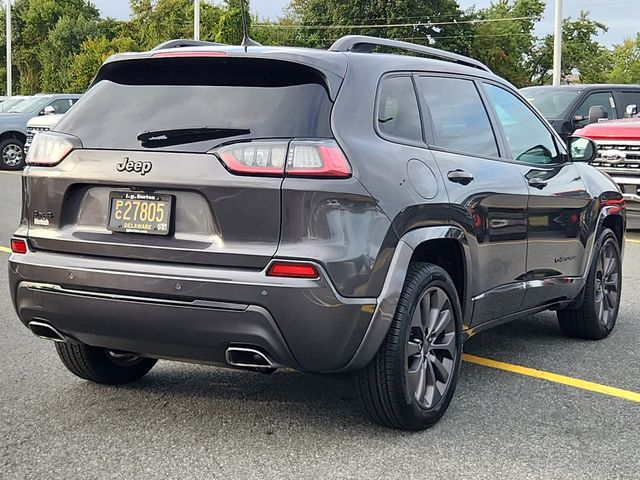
<point>9,62</point>
<point>196,19</point>
<point>557,45</point>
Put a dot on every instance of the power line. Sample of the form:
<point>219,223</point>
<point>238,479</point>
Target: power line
<point>599,4</point>
<point>421,24</point>
<point>438,37</point>
<point>433,17</point>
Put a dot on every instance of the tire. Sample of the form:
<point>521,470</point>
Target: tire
<point>101,365</point>
<point>597,315</point>
<point>391,389</point>
<point>12,156</point>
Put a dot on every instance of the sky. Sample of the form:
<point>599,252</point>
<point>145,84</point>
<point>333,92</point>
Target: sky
<point>622,16</point>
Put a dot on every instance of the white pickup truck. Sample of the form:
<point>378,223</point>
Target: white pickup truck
<point>42,123</point>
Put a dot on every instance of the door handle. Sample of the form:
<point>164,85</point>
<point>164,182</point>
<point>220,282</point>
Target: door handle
<point>460,176</point>
<point>537,182</point>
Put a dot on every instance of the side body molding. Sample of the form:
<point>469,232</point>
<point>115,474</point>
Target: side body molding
<point>389,296</point>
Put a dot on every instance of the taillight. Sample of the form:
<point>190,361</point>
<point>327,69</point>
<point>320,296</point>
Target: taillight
<point>48,149</point>
<point>292,270</point>
<point>317,159</point>
<point>255,158</point>
<point>307,158</point>
<point>18,245</point>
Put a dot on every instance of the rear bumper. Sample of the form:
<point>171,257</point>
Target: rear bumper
<point>188,312</point>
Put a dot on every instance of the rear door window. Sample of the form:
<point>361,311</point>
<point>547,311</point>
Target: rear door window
<point>241,99</point>
<point>398,114</point>
<point>459,118</point>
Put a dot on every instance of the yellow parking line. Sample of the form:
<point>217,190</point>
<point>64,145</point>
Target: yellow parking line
<point>631,240</point>
<point>5,249</point>
<point>553,377</point>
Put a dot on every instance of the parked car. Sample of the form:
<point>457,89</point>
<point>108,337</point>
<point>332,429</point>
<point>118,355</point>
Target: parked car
<point>41,123</point>
<point>335,211</point>
<point>570,107</point>
<point>619,155</point>
<point>13,125</point>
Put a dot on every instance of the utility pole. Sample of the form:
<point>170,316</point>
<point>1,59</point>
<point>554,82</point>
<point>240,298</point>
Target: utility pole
<point>196,19</point>
<point>9,62</point>
<point>557,45</point>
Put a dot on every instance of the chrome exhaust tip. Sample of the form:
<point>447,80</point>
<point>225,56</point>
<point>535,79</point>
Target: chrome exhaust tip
<point>247,357</point>
<point>46,331</point>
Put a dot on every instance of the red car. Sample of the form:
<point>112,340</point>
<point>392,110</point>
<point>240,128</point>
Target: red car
<point>619,155</point>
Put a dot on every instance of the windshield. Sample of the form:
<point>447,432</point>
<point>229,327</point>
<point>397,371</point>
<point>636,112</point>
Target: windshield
<point>10,103</point>
<point>30,105</point>
<point>550,102</point>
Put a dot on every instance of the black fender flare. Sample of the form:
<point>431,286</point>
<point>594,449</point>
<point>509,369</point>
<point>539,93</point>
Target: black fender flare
<point>388,299</point>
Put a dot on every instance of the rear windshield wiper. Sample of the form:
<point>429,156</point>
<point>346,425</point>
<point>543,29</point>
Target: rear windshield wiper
<point>180,136</point>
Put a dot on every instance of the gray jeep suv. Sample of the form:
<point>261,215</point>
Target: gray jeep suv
<point>337,211</point>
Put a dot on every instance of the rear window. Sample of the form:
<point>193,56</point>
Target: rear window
<point>398,114</point>
<point>247,98</point>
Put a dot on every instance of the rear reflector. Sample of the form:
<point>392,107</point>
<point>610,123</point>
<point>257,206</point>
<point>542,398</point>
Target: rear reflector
<point>293,270</point>
<point>18,245</point>
<point>48,149</point>
<point>321,158</point>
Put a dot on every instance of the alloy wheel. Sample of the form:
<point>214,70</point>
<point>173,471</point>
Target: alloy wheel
<point>12,155</point>
<point>431,348</point>
<point>607,284</point>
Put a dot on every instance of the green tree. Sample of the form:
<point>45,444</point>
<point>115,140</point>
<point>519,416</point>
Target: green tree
<point>162,20</point>
<point>93,54</point>
<point>33,21</point>
<point>625,61</point>
<point>56,54</point>
<point>429,22</point>
<point>229,29</point>
<point>504,37</point>
<point>581,53</point>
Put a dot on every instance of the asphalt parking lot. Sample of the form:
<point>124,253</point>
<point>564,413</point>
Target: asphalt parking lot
<point>188,421</point>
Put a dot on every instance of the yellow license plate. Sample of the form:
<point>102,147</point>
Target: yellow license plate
<point>139,212</point>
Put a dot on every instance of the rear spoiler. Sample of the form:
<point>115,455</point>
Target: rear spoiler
<point>332,66</point>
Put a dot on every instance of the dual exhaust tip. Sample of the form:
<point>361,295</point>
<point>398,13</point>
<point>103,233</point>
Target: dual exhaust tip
<point>241,357</point>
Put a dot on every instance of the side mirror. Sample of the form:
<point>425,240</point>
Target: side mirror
<point>631,110</point>
<point>597,113</point>
<point>49,110</point>
<point>582,149</point>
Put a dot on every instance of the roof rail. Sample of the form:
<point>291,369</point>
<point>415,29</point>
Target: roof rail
<point>183,43</point>
<point>366,44</point>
